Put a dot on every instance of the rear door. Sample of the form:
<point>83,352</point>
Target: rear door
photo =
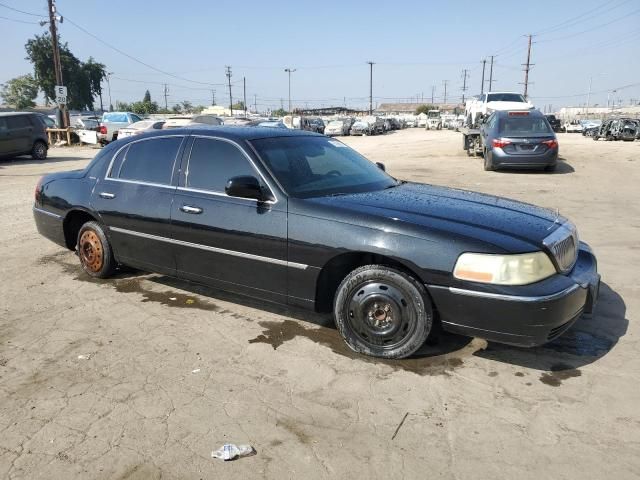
<point>20,133</point>
<point>134,200</point>
<point>6,145</point>
<point>235,243</point>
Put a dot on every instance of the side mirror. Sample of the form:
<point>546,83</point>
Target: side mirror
<point>381,166</point>
<point>245,186</point>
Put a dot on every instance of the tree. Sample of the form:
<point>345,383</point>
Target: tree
<point>122,107</point>
<point>147,97</point>
<point>197,109</point>
<point>186,106</point>
<point>177,108</point>
<point>424,108</point>
<point>238,106</point>
<point>20,92</point>
<point>281,112</point>
<point>81,79</point>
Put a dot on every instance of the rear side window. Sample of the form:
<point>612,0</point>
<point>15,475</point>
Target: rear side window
<point>19,121</point>
<point>213,162</point>
<point>115,117</point>
<point>149,161</point>
<point>523,125</point>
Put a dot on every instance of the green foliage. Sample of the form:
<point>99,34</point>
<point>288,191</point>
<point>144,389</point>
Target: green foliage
<point>186,106</point>
<point>20,92</point>
<point>144,108</point>
<point>238,106</point>
<point>147,97</point>
<point>81,79</point>
<point>197,109</point>
<point>177,108</point>
<point>122,107</point>
<point>281,112</point>
<point>425,108</point>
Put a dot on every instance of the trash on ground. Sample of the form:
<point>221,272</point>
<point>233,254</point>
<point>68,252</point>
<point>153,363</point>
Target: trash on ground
<point>190,301</point>
<point>229,451</point>
<point>85,357</point>
<point>173,298</point>
<point>195,371</point>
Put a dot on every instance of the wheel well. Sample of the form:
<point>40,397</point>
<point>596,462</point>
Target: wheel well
<point>72,224</point>
<point>338,267</point>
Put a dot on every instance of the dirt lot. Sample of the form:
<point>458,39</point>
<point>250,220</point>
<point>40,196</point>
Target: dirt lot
<point>170,371</point>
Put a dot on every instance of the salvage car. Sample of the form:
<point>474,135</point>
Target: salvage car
<point>303,220</point>
<point>519,139</point>
<point>362,127</point>
<point>139,128</point>
<point>337,127</point>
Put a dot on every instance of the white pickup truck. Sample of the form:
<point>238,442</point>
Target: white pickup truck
<point>114,121</point>
<point>481,106</point>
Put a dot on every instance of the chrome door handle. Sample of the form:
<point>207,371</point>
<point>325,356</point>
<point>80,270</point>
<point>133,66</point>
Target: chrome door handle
<point>190,209</point>
<point>107,195</point>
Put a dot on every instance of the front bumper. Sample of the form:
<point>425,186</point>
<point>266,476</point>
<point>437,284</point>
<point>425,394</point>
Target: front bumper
<point>525,316</point>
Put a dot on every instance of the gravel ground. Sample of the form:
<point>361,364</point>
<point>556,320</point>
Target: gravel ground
<point>142,376</point>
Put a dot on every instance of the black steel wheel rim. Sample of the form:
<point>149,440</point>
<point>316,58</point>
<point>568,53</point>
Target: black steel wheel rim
<point>380,314</point>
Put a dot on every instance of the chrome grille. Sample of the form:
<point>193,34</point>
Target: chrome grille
<point>563,245</point>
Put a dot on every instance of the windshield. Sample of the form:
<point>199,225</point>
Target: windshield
<point>505,97</point>
<point>523,125</point>
<point>318,166</point>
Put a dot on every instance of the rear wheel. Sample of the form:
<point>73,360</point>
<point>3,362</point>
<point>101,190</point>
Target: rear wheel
<point>94,251</point>
<point>39,150</point>
<point>488,161</point>
<point>382,312</point>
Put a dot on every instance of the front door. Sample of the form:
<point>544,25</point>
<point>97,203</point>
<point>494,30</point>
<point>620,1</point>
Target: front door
<point>20,133</point>
<point>234,243</point>
<point>134,200</point>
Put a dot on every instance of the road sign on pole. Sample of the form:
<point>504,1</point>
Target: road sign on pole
<point>61,94</point>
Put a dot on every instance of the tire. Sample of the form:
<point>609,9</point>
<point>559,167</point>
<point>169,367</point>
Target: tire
<point>464,142</point>
<point>39,150</point>
<point>488,162</point>
<point>382,312</point>
<point>94,251</point>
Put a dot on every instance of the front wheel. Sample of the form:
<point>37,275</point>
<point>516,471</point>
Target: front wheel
<point>382,312</point>
<point>94,251</point>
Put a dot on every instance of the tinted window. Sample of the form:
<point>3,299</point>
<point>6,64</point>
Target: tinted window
<point>3,124</point>
<point>213,162</point>
<point>150,161</point>
<point>316,166</point>
<point>19,121</point>
<point>505,97</point>
<point>523,125</point>
<point>115,117</point>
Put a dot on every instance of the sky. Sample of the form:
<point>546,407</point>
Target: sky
<point>417,46</point>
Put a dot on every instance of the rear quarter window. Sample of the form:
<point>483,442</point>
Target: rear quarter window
<point>147,161</point>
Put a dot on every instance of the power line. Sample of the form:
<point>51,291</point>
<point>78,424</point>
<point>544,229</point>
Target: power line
<point>19,21</point>
<point>132,57</point>
<point>578,19</point>
<point>22,11</point>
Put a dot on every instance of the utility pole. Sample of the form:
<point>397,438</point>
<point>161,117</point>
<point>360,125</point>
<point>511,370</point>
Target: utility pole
<point>230,96</point>
<point>370,87</point>
<point>433,92</point>
<point>527,67</point>
<point>109,86</point>
<point>465,74</point>
<point>255,103</point>
<point>56,56</point>
<point>445,82</point>
<point>484,64</point>
<point>213,97</point>
<point>491,75</point>
<point>244,87</point>
<point>289,71</point>
<point>166,94</point>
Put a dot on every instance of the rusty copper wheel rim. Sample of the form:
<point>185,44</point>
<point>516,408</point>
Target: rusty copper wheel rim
<point>90,250</point>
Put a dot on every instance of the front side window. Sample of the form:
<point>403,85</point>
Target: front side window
<point>213,162</point>
<point>148,161</point>
<point>318,166</point>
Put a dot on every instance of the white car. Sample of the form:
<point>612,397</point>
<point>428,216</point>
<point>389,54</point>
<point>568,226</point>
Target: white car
<point>184,120</point>
<point>140,127</point>
<point>114,121</point>
<point>337,127</point>
<point>481,106</point>
<point>573,127</point>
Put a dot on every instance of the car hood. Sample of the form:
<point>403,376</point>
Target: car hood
<point>509,105</point>
<point>506,223</point>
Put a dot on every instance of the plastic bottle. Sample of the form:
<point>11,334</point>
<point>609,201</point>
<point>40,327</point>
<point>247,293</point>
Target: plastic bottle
<point>229,451</point>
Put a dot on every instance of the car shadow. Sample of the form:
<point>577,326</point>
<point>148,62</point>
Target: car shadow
<point>29,161</point>
<point>589,339</point>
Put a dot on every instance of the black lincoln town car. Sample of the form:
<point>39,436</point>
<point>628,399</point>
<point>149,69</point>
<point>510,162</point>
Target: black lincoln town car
<point>301,219</point>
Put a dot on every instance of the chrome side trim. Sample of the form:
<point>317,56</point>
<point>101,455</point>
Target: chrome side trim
<point>514,298</point>
<point>51,214</point>
<point>224,251</point>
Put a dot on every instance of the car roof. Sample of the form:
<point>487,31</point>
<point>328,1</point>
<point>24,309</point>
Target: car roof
<point>8,114</point>
<point>232,132</point>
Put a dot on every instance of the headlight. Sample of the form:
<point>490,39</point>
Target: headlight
<point>519,269</point>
